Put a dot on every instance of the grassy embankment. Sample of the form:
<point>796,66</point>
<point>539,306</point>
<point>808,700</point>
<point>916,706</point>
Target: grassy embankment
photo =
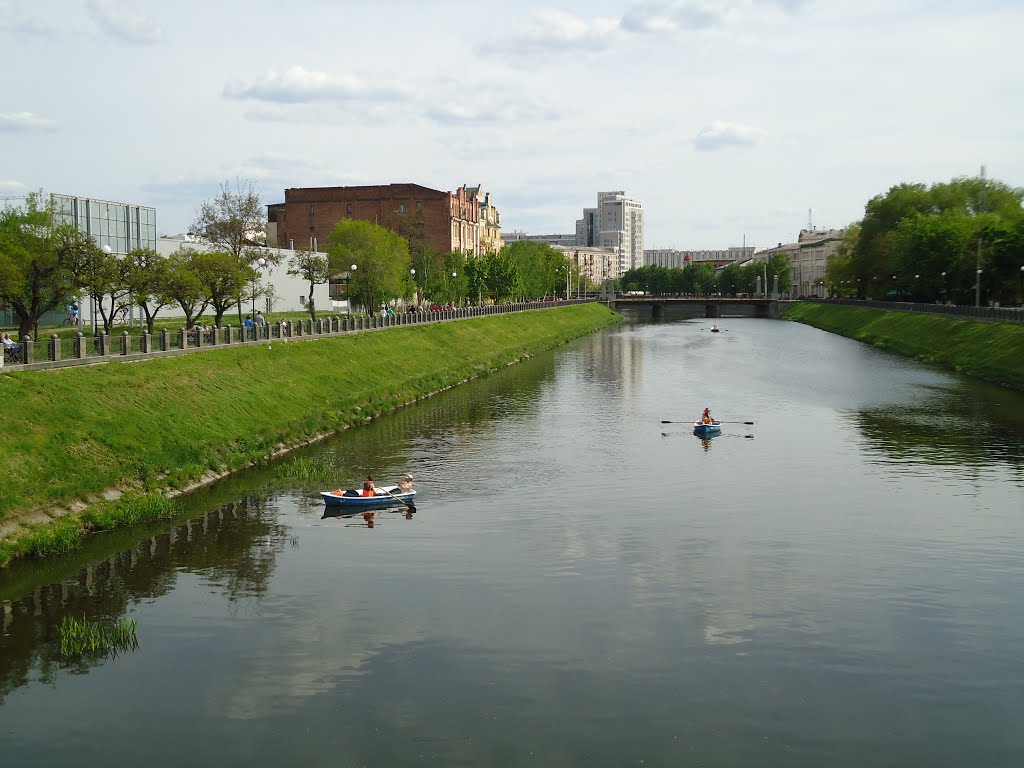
<point>986,350</point>
<point>144,430</point>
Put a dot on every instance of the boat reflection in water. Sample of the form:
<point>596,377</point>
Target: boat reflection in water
<point>366,518</point>
<point>706,438</point>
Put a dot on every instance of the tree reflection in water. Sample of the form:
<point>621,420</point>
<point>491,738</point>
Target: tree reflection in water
<point>234,547</point>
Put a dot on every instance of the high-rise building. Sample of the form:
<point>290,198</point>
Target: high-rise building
<point>618,223</point>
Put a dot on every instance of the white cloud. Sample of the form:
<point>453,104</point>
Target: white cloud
<point>14,20</point>
<point>660,16</point>
<point>24,121</point>
<point>556,32</point>
<point>299,85</point>
<point>11,185</point>
<point>721,134</point>
<point>117,22</point>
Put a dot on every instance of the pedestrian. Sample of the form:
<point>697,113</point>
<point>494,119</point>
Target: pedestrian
<point>261,321</point>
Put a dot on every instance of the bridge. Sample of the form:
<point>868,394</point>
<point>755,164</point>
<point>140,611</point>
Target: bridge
<point>712,305</point>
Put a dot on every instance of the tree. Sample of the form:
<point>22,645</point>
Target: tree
<point>381,257</point>
<point>314,269</point>
<point>223,280</point>
<point>730,280</point>
<point>184,285</point>
<point>102,275</point>
<point>147,276</point>
<point>540,266</point>
<point>235,222</point>
<point>37,258</point>
<point>778,265</point>
<point>476,277</point>
<point>503,280</point>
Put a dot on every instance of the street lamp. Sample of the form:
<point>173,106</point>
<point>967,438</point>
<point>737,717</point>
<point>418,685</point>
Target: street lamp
<point>943,287</point>
<point>259,264</point>
<point>977,288</point>
<point>454,275</point>
<point>416,288</point>
<point>92,299</point>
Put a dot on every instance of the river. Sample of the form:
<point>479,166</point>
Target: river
<point>582,584</point>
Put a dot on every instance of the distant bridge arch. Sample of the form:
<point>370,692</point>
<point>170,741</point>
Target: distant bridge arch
<point>712,305</point>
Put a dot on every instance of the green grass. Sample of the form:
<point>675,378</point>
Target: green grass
<point>146,427</point>
<point>990,351</point>
<point>79,637</point>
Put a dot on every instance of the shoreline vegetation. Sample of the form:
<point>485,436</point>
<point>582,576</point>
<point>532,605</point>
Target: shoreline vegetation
<point>101,447</point>
<point>986,350</point>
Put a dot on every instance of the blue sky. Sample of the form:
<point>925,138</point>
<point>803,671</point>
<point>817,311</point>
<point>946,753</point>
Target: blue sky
<point>727,119</point>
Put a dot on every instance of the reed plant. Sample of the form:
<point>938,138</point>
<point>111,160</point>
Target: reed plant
<point>80,637</point>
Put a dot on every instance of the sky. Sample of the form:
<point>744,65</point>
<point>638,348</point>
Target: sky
<point>731,121</point>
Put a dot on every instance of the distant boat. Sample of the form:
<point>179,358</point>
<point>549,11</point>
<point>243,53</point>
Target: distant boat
<point>714,329</point>
<point>700,429</point>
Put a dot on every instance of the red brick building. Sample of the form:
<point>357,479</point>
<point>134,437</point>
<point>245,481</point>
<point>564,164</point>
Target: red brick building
<point>430,218</point>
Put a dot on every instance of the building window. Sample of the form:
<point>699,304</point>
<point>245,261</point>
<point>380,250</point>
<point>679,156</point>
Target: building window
<point>312,209</point>
<point>401,207</point>
<point>348,207</point>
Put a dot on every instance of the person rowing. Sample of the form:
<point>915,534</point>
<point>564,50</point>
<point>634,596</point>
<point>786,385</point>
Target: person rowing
<point>706,417</point>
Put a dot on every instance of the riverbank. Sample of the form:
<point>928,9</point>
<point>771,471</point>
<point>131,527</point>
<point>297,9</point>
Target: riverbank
<point>991,351</point>
<point>102,446</point>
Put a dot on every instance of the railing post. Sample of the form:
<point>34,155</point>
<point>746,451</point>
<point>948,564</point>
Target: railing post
<point>126,343</point>
<point>104,345</point>
<point>165,340</point>
<point>27,352</point>
<point>182,338</point>
<point>55,347</point>
<point>146,343</point>
<point>79,345</point>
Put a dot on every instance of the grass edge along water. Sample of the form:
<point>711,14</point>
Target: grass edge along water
<point>159,426</point>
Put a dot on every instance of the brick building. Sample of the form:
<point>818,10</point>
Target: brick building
<point>430,218</point>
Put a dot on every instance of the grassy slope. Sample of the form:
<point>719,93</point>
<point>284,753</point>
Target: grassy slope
<point>987,350</point>
<point>72,433</point>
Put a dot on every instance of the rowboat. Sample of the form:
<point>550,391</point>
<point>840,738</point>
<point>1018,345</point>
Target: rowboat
<point>355,500</point>
<point>706,430</point>
<point>714,329</point>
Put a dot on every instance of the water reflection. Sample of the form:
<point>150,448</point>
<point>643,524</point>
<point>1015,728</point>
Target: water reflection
<point>233,549</point>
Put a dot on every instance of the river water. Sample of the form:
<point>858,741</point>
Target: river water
<point>837,584</point>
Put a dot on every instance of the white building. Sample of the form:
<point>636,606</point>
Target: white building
<point>555,239</point>
<point>282,292</point>
<point>595,264</point>
<point>674,258</point>
<point>617,223</point>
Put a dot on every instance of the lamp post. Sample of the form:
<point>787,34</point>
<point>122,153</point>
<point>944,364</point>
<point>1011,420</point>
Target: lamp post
<point>943,287</point>
<point>1021,278</point>
<point>92,299</point>
<point>416,288</point>
<point>977,288</point>
<point>259,264</point>
<point>348,286</point>
<point>913,296</point>
<point>454,275</point>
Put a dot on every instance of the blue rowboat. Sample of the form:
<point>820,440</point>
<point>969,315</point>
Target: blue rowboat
<point>706,430</point>
<point>355,500</point>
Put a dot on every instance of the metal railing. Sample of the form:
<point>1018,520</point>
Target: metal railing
<point>60,352</point>
<point>1002,314</point>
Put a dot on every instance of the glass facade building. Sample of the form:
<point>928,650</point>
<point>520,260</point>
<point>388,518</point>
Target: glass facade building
<point>122,226</point>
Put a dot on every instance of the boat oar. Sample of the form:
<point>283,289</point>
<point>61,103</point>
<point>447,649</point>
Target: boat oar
<point>717,422</point>
<point>409,504</point>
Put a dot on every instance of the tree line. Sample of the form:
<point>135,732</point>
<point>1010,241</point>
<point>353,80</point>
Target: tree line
<point>960,241</point>
<point>702,279</point>
<point>47,264</point>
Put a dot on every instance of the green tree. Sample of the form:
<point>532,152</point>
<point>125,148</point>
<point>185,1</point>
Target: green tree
<point>381,256</point>
<point>37,259</point>
<point>778,265</point>
<point>503,280</point>
<point>184,285</point>
<point>730,279</point>
<point>102,276</point>
<point>476,278</point>
<point>315,269</point>
<point>235,222</point>
<point>540,267</point>
<point>223,279</point>
<point>147,276</point>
